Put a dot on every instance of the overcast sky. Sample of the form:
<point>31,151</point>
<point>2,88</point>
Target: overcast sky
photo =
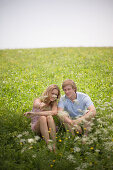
<point>55,23</point>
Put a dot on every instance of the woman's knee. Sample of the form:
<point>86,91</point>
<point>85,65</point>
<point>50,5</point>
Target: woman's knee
<point>43,118</point>
<point>49,118</point>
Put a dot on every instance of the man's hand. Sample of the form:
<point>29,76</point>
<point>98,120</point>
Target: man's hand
<point>77,121</point>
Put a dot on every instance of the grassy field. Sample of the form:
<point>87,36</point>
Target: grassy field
<point>25,74</point>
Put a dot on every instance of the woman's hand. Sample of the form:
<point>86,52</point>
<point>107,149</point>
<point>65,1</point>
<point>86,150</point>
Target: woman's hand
<point>29,114</point>
<point>54,113</point>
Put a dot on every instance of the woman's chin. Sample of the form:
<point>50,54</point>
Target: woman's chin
<point>52,100</point>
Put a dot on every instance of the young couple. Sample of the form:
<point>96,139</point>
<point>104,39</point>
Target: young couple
<point>73,102</point>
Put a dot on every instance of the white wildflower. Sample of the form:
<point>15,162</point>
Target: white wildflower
<point>84,139</point>
<point>97,150</point>
<point>105,131</point>
<point>31,140</point>
<point>34,156</point>
<point>19,136</point>
<point>37,138</point>
<point>71,158</point>
<point>79,110</point>
<point>78,168</point>
<point>85,121</point>
<point>95,139</point>
<point>90,142</point>
<point>25,133</point>
<point>76,138</point>
<point>23,149</point>
<point>55,96</point>
<point>63,98</point>
<point>99,120</point>
<point>98,132</point>
<point>109,146</point>
<point>103,108</point>
<point>84,166</point>
<point>22,140</point>
<point>76,102</point>
<point>50,146</point>
<point>63,113</point>
<point>50,141</point>
<point>85,111</point>
<point>76,149</point>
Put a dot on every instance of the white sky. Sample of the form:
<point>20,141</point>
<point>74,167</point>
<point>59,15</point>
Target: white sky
<point>55,23</point>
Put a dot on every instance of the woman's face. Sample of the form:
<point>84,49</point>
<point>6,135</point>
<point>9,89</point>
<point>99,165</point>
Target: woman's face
<point>53,95</point>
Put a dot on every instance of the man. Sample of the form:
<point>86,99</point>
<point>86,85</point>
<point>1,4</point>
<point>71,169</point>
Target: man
<point>79,106</point>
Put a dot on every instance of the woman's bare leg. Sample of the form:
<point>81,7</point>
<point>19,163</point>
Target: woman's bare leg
<point>44,128</point>
<point>52,129</point>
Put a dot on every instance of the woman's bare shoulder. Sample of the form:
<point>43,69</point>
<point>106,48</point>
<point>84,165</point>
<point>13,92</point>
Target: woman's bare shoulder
<point>36,102</point>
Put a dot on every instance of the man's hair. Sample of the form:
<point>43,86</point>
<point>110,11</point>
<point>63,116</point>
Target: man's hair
<point>69,82</point>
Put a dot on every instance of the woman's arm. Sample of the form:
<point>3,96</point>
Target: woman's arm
<point>39,105</point>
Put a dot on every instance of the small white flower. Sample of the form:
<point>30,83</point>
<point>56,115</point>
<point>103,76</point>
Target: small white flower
<point>22,140</point>
<point>79,110</point>
<point>49,147</point>
<point>70,157</point>
<point>37,138</point>
<point>76,149</point>
<point>76,101</point>
<point>34,156</point>
<point>31,140</point>
<point>84,139</point>
<point>76,138</point>
<point>55,96</point>
<point>19,136</point>
<point>63,98</point>
<point>23,149</point>
<point>25,133</point>
<point>50,141</point>
<point>85,111</point>
<point>63,113</point>
<point>97,150</point>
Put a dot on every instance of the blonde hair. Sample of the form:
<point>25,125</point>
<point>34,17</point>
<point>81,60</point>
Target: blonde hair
<point>69,82</point>
<point>45,95</point>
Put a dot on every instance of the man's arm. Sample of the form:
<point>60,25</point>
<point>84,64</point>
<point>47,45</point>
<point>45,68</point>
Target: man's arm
<point>88,116</point>
<point>64,118</point>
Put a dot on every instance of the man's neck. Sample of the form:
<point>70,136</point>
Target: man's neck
<point>73,97</point>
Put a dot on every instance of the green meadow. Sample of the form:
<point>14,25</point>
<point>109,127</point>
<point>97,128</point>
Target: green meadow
<point>25,74</point>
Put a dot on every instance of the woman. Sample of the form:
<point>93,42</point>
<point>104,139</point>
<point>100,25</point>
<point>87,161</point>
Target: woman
<point>44,108</point>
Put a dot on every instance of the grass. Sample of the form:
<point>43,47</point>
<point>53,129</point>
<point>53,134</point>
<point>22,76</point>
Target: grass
<point>25,74</point>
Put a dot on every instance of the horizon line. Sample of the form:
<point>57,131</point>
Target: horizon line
<point>56,47</point>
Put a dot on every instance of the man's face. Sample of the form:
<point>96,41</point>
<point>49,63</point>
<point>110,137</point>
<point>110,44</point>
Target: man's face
<point>69,91</point>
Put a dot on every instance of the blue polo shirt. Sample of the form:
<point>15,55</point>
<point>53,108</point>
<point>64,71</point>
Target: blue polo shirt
<point>76,108</point>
